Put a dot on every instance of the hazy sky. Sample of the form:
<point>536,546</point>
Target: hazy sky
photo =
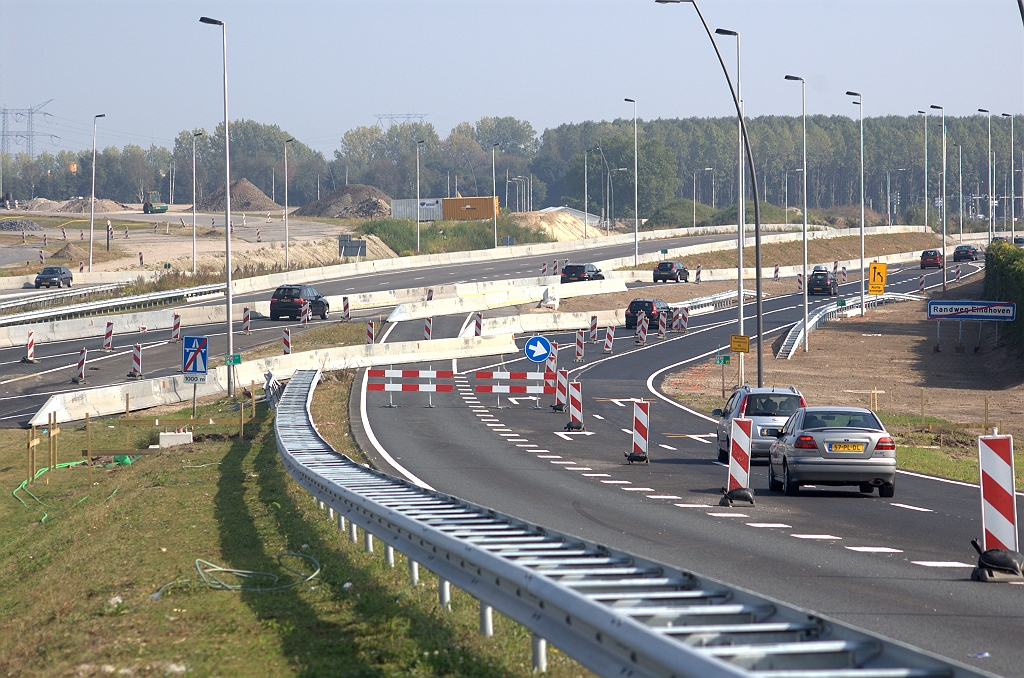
<point>320,68</point>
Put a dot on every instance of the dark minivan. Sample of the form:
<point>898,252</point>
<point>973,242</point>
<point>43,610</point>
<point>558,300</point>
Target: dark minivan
<point>288,300</point>
<point>650,307</point>
<point>579,272</point>
<point>671,270</point>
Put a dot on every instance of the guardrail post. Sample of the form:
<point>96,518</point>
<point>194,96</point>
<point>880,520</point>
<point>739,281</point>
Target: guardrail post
<point>540,653</point>
<point>330,513</point>
<point>389,555</point>
<point>367,541</point>
<point>341,522</point>
<point>414,573</point>
<point>486,620</point>
<point>353,535</point>
<point>444,593</point>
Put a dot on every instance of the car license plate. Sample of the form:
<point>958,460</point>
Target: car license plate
<point>771,432</point>
<point>286,301</point>
<point>847,447</point>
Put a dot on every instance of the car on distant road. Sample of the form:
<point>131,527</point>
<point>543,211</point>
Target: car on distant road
<point>288,299</point>
<point>931,259</point>
<point>833,446</point>
<point>769,408</point>
<point>1019,241</point>
<point>649,307</point>
<point>999,238</point>
<point>580,272</point>
<point>965,253</point>
<point>821,280</point>
<point>671,270</point>
<point>53,276</point>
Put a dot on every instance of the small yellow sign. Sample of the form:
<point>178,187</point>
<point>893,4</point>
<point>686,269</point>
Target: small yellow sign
<point>739,343</point>
<point>876,278</point>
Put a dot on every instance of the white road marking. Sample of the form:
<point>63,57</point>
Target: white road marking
<point>908,506</point>
<point>598,416</point>
<point>726,465</point>
<point>577,468</point>
<point>873,549</point>
<point>507,435</point>
<point>700,439</point>
<point>815,536</point>
<point>779,525</point>
<point>727,515</point>
<point>526,445</point>
<point>669,447</point>
<point>498,427</point>
<point>557,456</point>
<point>542,450</point>
<point>616,482</point>
<point>694,505</point>
<point>663,496</point>
<point>629,431</point>
<point>517,440</point>
<point>567,462</point>
<point>640,489</point>
<point>594,475</point>
<point>940,563</point>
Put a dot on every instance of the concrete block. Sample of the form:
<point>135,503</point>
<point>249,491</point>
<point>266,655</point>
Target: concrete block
<point>171,438</point>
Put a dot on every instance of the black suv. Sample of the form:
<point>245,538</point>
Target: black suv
<point>965,253</point>
<point>579,272</point>
<point>287,300</point>
<point>650,307</point>
<point>671,270</point>
<point>53,276</point>
<point>822,281</point>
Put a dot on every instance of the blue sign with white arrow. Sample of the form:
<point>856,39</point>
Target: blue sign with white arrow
<point>194,354</point>
<point>537,349</point>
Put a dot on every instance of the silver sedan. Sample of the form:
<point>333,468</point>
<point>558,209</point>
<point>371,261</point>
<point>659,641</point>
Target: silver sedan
<point>833,446</point>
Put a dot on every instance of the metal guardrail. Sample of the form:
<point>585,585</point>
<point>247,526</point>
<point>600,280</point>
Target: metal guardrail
<point>111,305</point>
<point>795,336</point>
<point>616,613</point>
<point>59,295</point>
<point>713,302</point>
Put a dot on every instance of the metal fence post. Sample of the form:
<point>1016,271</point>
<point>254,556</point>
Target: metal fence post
<point>353,535</point>
<point>540,653</point>
<point>367,541</point>
<point>389,555</point>
<point>486,620</point>
<point>341,522</point>
<point>414,573</point>
<point>444,593</point>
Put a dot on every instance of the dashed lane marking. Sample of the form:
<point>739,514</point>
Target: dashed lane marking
<point>630,431</point>
<point>638,489</point>
<point>598,416</point>
<point>554,456</point>
<point>873,549</point>
<point>940,563</point>
<point>577,468</point>
<point>663,496</point>
<point>516,440</point>
<point>594,475</point>
<point>769,525</point>
<point>669,447</point>
<point>563,462</point>
<point>704,506</point>
<point>727,515</point>
<point>616,482</point>
<point>912,508</point>
<point>700,439</point>
<point>526,445</point>
<point>815,536</point>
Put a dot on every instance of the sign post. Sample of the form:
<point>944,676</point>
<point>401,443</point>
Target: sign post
<point>722,360</point>
<point>995,311</point>
<point>194,363</point>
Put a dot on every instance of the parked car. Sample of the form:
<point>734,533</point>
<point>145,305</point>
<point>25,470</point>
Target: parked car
<point>671,270</point>
<point>288,299</point>
<point>769,408</point>
<point>821,280</point>
<point>53,276</point>
<point>650,307</point>
<point>579,272</point>
<point>833,446</point>
<point>965,253</point>
<point>1018,241</point>
<point>931,259</point>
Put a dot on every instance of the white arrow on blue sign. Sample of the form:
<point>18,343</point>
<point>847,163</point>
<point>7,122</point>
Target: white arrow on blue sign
<point>537,349</point>
<point>194,353</point>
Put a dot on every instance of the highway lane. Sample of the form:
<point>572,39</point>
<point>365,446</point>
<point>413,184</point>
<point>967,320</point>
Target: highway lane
<point>894,566</point>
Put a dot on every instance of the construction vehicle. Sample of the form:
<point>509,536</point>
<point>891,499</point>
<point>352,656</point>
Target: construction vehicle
<point>153,204</point>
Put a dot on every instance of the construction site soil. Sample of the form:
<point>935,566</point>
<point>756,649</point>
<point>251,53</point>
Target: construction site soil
<point>353,200</point>
<point>19,225</point>
<point>70,252</point>
<point>244,198</point>
<point>559,226</point>
<point>81,206</point>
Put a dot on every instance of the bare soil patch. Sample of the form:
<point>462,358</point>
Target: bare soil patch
<point>81,206</point>
<point>244,198</point>
<point>559,226</point>
<point>354,200</point>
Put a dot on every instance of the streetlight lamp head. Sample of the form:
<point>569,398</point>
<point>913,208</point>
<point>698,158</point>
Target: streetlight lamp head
<point>725,31</point>
<point>709,169</point>
<point>1007,115</point>
<point>794,77</point>
<point>101,115</point>
<point>937,108</point>
<point>982,110</point>
<point>495,145</point>
<point>632,101</point>
<point>668,2</point>
<point>199,133</point>
<point>288,141</point>
<point>853,94</point>
<point>421,141</point>
<point>208,20</point>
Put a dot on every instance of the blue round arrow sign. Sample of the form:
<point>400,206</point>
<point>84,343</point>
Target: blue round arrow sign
<point>537,349</point>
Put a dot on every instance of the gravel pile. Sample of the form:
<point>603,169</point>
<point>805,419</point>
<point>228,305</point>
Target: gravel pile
<point>19,225</point>
<point>346,201</point>
<point>81,206</point>
<point>244,198</point>
<point>70,252</point>
<point>41,205</point>
<point>372,208</point>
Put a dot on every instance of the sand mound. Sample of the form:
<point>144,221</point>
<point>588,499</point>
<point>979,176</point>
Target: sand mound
<point>70,252</point>
<point>244,198</point>
<point>19,225</point>
<point>346,202</point>
<point>559,225</point>
<point>42,205</point>
<point>81,206</point>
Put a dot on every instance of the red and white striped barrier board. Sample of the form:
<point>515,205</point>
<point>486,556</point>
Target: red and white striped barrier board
<point>30,348</point>
<point>739,454</point>
<point>555,268</point>
<point>958,273</point>
<point>562,388</point>
<point>286,340</point>
<point>41,257</point>
<point>79,377</point>
<point>345,312</point>
<point>108,337</point>
<point>430,294</point>
<point>609,338</point>
<point>176,328</point>
<point>305,313</point>
<point>677,319</point>
<point>551,366</point>
<point>143,328</point>
<point>662,322</point>
<point>684,317</point>
<point>427,328</point>
<point>136,372</point>
<point>246,321</point>
<point>799,282</point>
<point>697,280</point>
<point>835,267</point>
<point>140,257</point>
<point>544,268</point>
<point>432,388</point>
<point>81,267</point>
<point>575,403</point>
<point>641,422</point>
<point>641,333</point>
<point>842,275</point>
<point>920,284</point>
<point>369,332</point>
<point>414,374</point>
<point>259,238</point>
<point>579,346</point>
<point>536,376</point>
<point>998,503</point>
<point>478,324</point>
<point>593,329</point>
<point>776,278</point>
<point>501,388</point>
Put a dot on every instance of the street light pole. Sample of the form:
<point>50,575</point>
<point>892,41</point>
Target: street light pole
<point>494,193</point>
<point>694,198</point>
<point>92,203</point>
<point>228,292</point>
<point>636,191</point>
<point>586,195</point>
<point>1013,213</point>
<point>860,105</point>
<point>803,171</point>
<point>960,176</point>
<point>712,170</point>
<point>943,111</point>
<point>287,261</point>
<point>418,144</point>
<point>924,114</point>
<point>988,204</point>
<point>741,207</point>
<point>194,135</point>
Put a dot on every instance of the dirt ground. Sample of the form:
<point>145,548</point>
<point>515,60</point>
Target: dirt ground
<point>892,350</point>
<point>559,225</point>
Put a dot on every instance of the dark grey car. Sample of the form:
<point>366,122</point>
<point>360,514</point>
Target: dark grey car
<point>769,408</point>
<point>833,446</point>
<point>53,276</point>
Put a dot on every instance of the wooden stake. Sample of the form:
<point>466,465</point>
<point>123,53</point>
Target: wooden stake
<point>88,448</point>
<point>986,411</point>
<point>922,407</point>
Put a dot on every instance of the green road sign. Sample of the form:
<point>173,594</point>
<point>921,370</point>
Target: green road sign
<point>664,251</point>
<point>841,303</point>
<point>234,359</point>
<point>722,360</point>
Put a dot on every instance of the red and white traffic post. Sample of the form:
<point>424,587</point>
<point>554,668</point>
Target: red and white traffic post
<point>641,328</point>
<point>593,329</point>
<point>136,372</point>
<point>258,237</point>
<point>345,312</point>
<point>286,340</point>
<point>81,267</point>
<point>246,321</point>
<point>998,493</point>
<point>427,328</point>
<point>739,454</point>
<point>41,261</point>
<point>576,407</point>
<point>835,268</point>
<point>697,280</point>
<point>776,278</point>
<point>140,253</point>
<point>551,365</point>
<point>579,346</point>
<point>79,377</point>
<point>430,294</point>
<point>176,328</point>
<point>108,337</point>
<point>30,349</point>
<point>920,284</point>
<point>662,324</point>
<point>305,312</point>
<point>478,324</point>
<point>369,332</point>
<point>561,390</point>
<point>958,272</point>
<point>609,339</point>
<point>799,282</point>
<point>544,268</point>
<point>641,432</point>
<point>842,275</point>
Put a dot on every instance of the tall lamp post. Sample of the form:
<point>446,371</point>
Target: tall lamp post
<point>960,177</point>
<point>636,191</point>
<point>194,136</point>
<point>494,193</point>
<point>802,170</point>
<point>695,198</point>
<point>586,194</point>
<point>1013,177</point>
<point>229,295</point>
<point>924,114</point>
<point>988,204</point>
<point>92,203</point>
<point>712,170</point>
<point>943,111</point>
<point>287,261</point>
<point>860,105</point>
<point>753,181</point>
<point>418,144</point>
